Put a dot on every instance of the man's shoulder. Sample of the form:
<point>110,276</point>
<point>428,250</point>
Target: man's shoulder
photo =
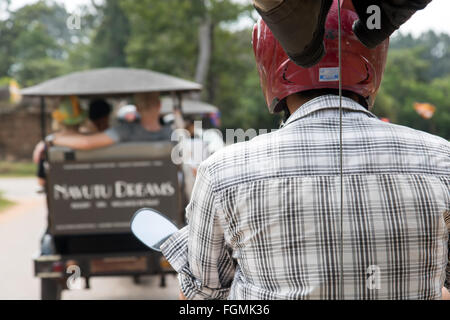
<point>414,136</point>
<point>243,161</point>
<point>243,149</point>
<point>292,150</point>
<point>133,131</point>
<point>128,126</point>
<point>121,131</point>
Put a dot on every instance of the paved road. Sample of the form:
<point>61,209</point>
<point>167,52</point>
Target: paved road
<point>20,230</point>
<point>19,188</point>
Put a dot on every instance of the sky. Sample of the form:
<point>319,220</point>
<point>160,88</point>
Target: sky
<point>436,16</point>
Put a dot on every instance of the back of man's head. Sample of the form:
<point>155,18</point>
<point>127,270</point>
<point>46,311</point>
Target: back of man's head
<point>99,109</point>
<point>147,101</point>
<point>362,68</point>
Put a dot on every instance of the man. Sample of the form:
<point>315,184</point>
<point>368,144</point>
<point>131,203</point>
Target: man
<point>67,120</point>
<point>99,113</point>
<point>195,150</point>
<point>299,25</point>
<point>149,128</point>
<point>128,113</point>
<point>264,219</point>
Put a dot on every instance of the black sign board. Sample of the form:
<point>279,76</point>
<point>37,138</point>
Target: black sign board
<point>101,197</point>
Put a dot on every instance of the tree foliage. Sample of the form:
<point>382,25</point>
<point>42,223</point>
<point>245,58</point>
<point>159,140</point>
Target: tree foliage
<point>35,42</point>
<point>111,37</point>
<point>35,45</point>
<point>411,76</point>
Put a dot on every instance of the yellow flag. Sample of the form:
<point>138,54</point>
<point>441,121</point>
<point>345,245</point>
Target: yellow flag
<point>75,106</point>
<point>425,110</point>
<point>14,92</point>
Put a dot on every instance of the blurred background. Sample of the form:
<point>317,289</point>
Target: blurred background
<point>36,44</point>
<point>207,41</point>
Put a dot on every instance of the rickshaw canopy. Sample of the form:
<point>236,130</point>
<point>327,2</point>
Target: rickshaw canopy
<point>189,107</point>
<point>111,82</point>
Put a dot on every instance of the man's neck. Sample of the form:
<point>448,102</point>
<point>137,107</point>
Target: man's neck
<point>150,122</point>
<point>295,101</point>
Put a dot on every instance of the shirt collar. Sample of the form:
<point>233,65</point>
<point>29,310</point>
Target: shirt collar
<point>327,102</point>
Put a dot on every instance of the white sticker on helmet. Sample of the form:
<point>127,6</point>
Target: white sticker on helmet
<point>328,74</point>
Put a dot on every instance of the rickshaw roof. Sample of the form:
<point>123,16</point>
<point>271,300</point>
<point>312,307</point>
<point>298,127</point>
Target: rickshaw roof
<point>110,82</point>
<point>188,106</point>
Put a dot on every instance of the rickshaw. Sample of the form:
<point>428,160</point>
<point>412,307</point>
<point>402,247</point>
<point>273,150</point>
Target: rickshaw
<point>92,195</point>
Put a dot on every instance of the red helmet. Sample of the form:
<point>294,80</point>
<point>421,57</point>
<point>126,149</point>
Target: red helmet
<point>362,68</point>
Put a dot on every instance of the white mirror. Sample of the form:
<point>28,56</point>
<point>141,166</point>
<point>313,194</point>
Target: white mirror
<point>152,228</point>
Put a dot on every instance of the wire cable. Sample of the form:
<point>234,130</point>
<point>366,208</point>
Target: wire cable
<point>341,162</point>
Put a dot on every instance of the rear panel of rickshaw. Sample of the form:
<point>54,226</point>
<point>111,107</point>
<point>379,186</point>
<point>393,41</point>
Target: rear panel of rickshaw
<point>92,196</point>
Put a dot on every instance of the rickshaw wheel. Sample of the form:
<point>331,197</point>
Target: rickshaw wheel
<point>50,289</point>
<point>137,279</point>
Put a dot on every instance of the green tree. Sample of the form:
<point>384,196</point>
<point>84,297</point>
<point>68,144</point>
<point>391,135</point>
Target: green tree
<point>111,37</point>
<point>411,76</point>
<point>166,36</point>
<point>35,42</point>
<point>435,49</point>
<point>235,82</point>
<point>8,34</point>
<point>163,35</point>
<point>37,54</point>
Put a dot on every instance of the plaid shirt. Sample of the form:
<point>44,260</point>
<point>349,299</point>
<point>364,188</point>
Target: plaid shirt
<point>264,218</point>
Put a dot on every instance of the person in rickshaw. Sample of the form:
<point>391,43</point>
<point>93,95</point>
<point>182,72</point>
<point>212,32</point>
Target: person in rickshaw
<point>128,113</point>
<point>71,119</point>
<point>99,116</point>
<point>148,129</point>
<point>67,120</point>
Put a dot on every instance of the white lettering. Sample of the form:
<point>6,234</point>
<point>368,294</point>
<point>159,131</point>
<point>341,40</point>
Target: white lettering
<point>374,21</point>
<point>373,282</point>
<point>143,190</point>
<point>73,22</point>
<point>83,192</point>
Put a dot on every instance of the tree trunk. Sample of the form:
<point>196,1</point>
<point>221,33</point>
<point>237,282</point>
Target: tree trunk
<point>205,51</point>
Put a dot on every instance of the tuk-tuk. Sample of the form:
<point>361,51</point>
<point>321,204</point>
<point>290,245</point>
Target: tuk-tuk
<point>92,195</point>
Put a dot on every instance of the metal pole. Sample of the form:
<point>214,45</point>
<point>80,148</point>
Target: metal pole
<point>179,124</point>
<point>43,119</point>
<point>178,103</point>
<point>177,106</point>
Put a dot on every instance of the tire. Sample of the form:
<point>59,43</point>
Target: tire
<point>137,279</point>
<point>51,289</point>
<point>162,283</point>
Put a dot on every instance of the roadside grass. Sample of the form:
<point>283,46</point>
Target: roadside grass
<point>4,203</point>
<point>17,169</point>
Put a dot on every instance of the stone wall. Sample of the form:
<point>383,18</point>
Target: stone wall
<point>20,131</point>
